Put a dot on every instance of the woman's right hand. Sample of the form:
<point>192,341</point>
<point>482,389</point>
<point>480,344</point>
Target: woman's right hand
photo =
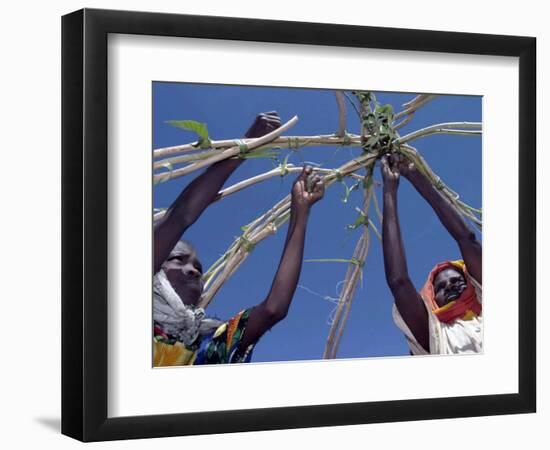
<point>306,190</point>
<point>390,172</point>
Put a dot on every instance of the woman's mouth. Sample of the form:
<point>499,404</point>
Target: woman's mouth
<point>194,284</point>
<point>455,293</point>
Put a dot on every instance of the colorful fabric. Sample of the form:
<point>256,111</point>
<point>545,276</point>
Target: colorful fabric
<point>219,347</point>
<point>466,307</point>
<point>463,335</point>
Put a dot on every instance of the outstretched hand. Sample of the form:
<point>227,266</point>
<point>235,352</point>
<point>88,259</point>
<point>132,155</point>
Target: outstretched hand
<point>264,123</point>
<point>307,189</point>
<point>406,167</point>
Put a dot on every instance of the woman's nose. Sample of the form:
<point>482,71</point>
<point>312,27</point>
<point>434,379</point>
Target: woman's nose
<point>191,272</point>
<point>452,286</point>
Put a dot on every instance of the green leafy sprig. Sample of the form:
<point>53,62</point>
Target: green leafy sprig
<point>200,129</point>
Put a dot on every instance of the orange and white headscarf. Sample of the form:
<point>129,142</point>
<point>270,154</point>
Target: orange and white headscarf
<point>465,307</point>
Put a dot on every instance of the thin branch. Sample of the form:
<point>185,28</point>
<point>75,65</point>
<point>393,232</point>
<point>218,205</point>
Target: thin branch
<point>341,113</point>
<point>353,275</point>
<point>450,128</point>
<point>229,153</point>
<point>192,147</point>
<point>413,105</point>
<point>289,141</point>
<point>188,157</point>
<point>283,142</point>
<point>404,122</point>
<point>376,232</point>
<point>278,171</point>
<point>350,99</point>
<point>377,208</point>
<point>351,293</point>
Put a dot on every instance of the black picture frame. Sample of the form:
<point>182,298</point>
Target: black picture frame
<point>84,224</point>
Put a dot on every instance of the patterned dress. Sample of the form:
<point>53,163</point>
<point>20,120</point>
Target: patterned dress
<point>219,347</point>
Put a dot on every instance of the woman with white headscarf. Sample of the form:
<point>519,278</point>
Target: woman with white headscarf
<point>183,334</point>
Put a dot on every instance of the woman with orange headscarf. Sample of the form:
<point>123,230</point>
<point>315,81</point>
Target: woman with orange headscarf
<point>445,316</point>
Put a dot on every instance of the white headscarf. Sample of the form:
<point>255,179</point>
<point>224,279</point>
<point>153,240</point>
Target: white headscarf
<point>176,318</point>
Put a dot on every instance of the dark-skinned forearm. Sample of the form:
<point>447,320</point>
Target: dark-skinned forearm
<point>188,207</point>
<point>447,213</point>
<point>406,297</point>
<point>275,307</point>
<point>466,239</point>
<point>202,191</point>
<point>395,263</point>
<point>288,273</point>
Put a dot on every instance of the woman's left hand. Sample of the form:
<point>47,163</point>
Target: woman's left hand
<point>264,123</point>
<point>307,189</point>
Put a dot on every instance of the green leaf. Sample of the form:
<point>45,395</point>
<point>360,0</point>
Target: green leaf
<point>362,219</point>
<point>204,143</point>
<point>372,141</point>
<point>384,110</point>
<point>167,165</point>
<point>191,125</point>
<point>200,129</point>
<point>284,168</point>
<point>165,175</point>
<point>349,190</point>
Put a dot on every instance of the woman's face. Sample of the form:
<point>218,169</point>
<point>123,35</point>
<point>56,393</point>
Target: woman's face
<point>448,285</point>
<point>184,271</point>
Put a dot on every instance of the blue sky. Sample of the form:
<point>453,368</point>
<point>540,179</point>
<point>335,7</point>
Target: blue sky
<point>228,112</point>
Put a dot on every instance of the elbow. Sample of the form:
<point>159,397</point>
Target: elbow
<point>469,238</point>
<point>397,282</point>
<point>275,313</point>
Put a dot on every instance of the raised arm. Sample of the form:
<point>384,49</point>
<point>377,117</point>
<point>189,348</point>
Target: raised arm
<point>470,248</point>
<point>275,307</point>
<point>407,299</point>
<point>196,197</point>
